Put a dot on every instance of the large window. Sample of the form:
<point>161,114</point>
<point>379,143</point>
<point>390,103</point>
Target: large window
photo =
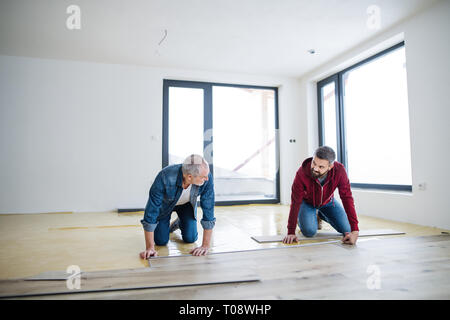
<point>363,115</point>
<point>234,127</point>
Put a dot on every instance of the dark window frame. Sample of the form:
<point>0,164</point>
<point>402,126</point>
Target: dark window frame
<point>341,152</point>
<point>208,120</point>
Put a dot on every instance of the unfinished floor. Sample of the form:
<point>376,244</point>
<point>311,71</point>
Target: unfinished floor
<point>414,265</point>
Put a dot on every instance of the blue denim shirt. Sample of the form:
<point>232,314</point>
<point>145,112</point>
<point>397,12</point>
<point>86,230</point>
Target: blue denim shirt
<point>165,192</point>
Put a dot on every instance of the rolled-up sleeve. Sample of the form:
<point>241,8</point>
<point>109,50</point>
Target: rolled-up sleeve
<point>154,202</point>
<point>207,225</point>
<point>207,204</point>
<point>150,227</point>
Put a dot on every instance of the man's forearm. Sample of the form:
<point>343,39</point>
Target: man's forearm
<point>149,240</point>
<point>207,233</point>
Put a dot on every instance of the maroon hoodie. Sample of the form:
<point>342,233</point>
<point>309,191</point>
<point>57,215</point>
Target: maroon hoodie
<point>309,189</point>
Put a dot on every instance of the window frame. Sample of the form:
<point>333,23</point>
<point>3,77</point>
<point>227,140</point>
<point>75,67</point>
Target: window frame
<point>340,118</point>
<point>208,124</point>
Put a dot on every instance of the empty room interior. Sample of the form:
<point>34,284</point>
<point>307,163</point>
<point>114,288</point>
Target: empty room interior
<point>268,150</point>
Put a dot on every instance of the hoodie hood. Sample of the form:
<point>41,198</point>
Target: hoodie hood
<point>306,166</point>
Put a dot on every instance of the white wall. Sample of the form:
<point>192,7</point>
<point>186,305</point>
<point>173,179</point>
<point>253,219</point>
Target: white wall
<point>80,136</point>
<point>427,57</point>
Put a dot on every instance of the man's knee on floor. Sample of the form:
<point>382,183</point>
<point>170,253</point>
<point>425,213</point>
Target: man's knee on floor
<point>161,242</point>
<point>190,238</point>
<point>309,233</point>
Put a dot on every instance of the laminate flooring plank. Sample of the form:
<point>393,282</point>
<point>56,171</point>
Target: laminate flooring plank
<point>336,286</point>
<point>127,280</point>
<point>328,235</point>
<point>51,275</point>
<point>382,247</point>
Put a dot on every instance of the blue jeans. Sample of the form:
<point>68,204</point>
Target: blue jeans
<point>188,225</point>
<point>332,212</point>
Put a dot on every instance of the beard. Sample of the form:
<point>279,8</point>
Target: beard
<point>316,175</point>
<point>199,184</point>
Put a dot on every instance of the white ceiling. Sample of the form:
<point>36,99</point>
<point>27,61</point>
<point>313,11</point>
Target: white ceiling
<point>245,36</point>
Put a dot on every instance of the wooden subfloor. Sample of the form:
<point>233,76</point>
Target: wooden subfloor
<point>414,265</point>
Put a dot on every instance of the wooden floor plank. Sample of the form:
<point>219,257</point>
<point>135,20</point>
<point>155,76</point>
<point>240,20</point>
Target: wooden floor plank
<point>144,278</point>
<point>328,235</point>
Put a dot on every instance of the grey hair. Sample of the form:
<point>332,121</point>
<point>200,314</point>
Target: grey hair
<point>193,164</point>
<point>325,153</point>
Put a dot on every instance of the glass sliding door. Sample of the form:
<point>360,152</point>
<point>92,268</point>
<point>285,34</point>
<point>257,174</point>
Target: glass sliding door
<point>245,160</point>
<point>186,123</point>
<point>234,127</point>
